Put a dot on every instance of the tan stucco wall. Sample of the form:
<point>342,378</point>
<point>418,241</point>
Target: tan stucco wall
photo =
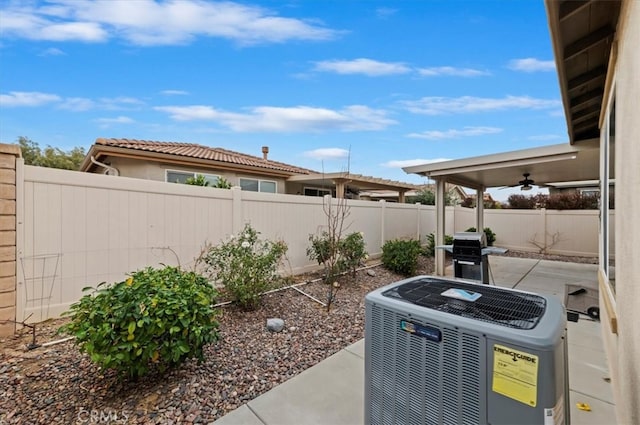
<point>8,306</point>
<point>156,171</point>
<point>625,357</point>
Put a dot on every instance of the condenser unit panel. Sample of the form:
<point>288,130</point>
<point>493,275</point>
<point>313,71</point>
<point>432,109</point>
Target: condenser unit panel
<point>436,352</point>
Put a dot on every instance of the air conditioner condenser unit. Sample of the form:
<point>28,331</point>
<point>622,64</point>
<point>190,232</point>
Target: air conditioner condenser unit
<point>448,351</point>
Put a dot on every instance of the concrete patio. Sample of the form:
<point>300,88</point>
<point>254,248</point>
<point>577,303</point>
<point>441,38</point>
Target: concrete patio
<point>332,392</point>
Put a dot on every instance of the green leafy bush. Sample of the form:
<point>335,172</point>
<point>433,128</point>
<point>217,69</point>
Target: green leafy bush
<point>157,318</point>
<point>222,183</point>
<point>246,266</point>
<point>353,252</point>
<point>401,256</point>
<point>491,237</point>
<point>430,248</point>
<point>336,254</point>
<point>198,180</point>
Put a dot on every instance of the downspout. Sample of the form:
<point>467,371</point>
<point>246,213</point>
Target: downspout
<point>108,167</point>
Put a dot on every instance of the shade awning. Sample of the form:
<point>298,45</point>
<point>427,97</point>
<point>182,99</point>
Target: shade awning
<point>357,181</point>
<point>547,164</point>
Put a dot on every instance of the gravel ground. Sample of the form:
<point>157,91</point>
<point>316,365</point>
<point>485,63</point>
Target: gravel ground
<point>58,385</point>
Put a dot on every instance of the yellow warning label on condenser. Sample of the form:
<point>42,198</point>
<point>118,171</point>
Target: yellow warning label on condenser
<point>515,374</point>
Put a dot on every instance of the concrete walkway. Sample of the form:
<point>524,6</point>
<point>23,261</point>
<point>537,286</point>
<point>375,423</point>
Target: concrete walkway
<point>332,392</point>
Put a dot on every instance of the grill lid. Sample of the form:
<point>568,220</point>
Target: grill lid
<point>493,305</point>
<point>470,238</point>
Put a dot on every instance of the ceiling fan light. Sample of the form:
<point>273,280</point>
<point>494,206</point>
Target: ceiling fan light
<point>525,187</point>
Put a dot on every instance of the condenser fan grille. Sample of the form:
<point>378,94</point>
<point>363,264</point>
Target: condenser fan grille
<point>498,306</point>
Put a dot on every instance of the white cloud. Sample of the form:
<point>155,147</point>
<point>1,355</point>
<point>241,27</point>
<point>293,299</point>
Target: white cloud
<point>411,162</point>
<point>327,153</point>
<point>451,71</point>
<point>27,98</point>
<point>531,65</point>
<point>174,92</point>
<point>454,134</point>
<point>369,67</point>
<point>150,22</point>
<point>78,104</point>
<point>385,12</point>
<point>52,51</point>
<point>120,103</point>
<point>470,104</point>
<point>279,119</point>
<point>117,120</point>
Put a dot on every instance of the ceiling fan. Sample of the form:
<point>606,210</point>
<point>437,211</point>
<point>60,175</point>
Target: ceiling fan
<point>525,184</point>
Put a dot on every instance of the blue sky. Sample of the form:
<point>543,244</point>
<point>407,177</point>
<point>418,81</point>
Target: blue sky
<point>394,83</point>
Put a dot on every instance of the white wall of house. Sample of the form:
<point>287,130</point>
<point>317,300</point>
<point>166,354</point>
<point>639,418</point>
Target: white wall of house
<point>623,347</point>
<point>156,171</point>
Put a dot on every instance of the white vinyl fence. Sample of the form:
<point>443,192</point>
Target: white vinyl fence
<point>77,229</point>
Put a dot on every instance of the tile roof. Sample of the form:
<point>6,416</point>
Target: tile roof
<point>193,150</point>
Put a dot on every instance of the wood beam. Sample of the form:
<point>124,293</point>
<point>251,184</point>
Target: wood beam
<point>571,7</point>
<point>586,99</point>
<point>585,113</point>
<point>588,41</point>
<point>582,80</point>
<point>584,127</point>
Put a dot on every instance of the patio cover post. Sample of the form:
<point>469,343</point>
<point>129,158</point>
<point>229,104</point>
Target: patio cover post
<point>401,196</point>
<point>480,209</point>
<point>440,212</point>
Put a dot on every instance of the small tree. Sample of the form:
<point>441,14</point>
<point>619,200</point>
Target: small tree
<point>427,197</point>
<point>50,157</point>
<point>328,247</point>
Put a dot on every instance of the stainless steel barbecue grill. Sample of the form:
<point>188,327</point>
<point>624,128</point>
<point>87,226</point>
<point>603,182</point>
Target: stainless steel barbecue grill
<point>469,256</point>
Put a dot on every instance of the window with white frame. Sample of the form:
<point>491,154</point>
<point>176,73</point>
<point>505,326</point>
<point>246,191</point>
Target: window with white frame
<point>175,176</point>
<point>257,185</point>
<point>607,191</point>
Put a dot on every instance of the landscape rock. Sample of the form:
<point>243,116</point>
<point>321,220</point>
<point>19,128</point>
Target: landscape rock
<point>275,324</point>
<point>371,273</point>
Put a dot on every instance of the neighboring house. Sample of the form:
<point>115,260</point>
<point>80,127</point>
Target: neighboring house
<point>596,47</point>
<point>175,162</point>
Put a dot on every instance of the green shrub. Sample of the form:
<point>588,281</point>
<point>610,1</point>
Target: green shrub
<point>222,183</point>
<point>246,266</point>
<point>401,256</point>
<point>336,254</point>
<point>430,249</point>
<point>491,237</point>
<point>352,252</point>
<point>198,180</point>
<point>157,318</point>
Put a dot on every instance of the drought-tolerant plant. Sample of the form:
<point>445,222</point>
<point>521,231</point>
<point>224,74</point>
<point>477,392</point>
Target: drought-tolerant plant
<point>353,252</point>
<point>198,180</point>
<point>246,265</point>
<point>155,319</point>
<point>337,255</point>
<point>430,248</point>
<point>401,256</point>
<point>222,183</point>
<point>491,237</point>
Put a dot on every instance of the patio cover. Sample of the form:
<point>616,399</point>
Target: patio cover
<point>358,181</point>
<point>546,165</point>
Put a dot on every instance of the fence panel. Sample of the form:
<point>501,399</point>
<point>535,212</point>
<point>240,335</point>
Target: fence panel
<point>80,229</point>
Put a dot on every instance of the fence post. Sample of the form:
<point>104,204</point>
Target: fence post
<point>383,207</point>
<point>8,289</point>
<point>236,209</point>
<point>419,215</point>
